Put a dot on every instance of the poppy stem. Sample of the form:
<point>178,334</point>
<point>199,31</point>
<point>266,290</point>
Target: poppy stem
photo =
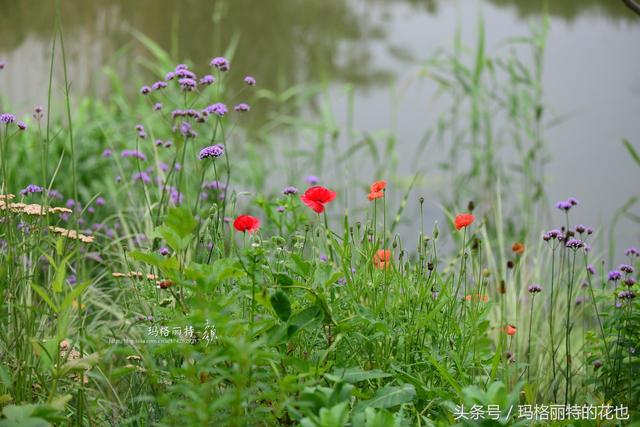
<point>327,235</point>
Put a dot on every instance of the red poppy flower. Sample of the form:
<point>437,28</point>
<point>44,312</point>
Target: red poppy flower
<point>246,223</point>
<point>510,330</point>
<point>375,190</point>
<point>375,195</point>
<point>517,248</point>
<point>463,220</point>
<point>378,186</point>
<point>382,259</point>
<point>477,297</point>
<point>316,197</point>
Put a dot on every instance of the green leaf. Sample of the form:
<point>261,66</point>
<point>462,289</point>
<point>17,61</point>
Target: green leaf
<point>281,305</point>
<point>181,221</point>
<point>444,373</point>
<point>390,396</point>
<point>632,151</point>
<point>302,267</point>
<point>79,364</point>
<point>380,418</point>
<point>43,294</point>
<point>75,293</point>
<point>154,259</point>
<point>354,375</point>
<point>283,279</point>
<point>310,317</point>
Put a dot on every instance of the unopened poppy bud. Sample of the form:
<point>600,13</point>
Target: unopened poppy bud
<point>421,200</point>
<point>503,287</point>
<point>486,272</point>
<point>430,266</point>
<point>510,264</point>
<point>471,206</point>
<point>394,244</point>
<point>436,232</point>
<point>358,225</point>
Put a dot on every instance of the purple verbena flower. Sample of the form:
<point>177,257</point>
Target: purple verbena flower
<point>629,281</point>
<point>100,201</point>
<point>312,179</point>
<point>187,130</point>
<point>7,118</point>
<point>54,194</point>
<point>220,63</point>
<point>159,85</point>
<point>164,251</point>
<point>626,268</point>
<point>145,90</point>
<point>133,153</point>
<point>591,269</point>
<point>632,251</point>
<point>281,209</point>
<point>185,74</point>
<point>534,289</point>
<point>219,109</point>
<point>21,125</point>
<point>175,197</point>
<point>2,65</point>
<point>626,295</point>
<point>551,234</point>
<point>241,108</point>
<point>213,185</point>
<point>106,153</point>
<point>289,190</point>
<point>574,243</point>
<point>614,276</point>
<point>37,112</point>
<point>170,76</point>
<point>212,151</point>
<point>565,205</point>
<point>207,80</point>
<point>187,84</point>
<point>157,106</point>
<point>142,176</point>
<point>30,189</point>
<point>250,81</point>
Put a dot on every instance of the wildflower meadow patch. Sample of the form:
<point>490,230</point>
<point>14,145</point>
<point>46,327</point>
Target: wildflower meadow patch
<point>156,270</point>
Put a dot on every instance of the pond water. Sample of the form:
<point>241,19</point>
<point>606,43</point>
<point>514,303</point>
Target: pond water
<point>591,75</point>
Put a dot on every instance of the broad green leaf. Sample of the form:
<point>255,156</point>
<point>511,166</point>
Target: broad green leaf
<point>281,305</point>
<point>181,221</point>
<point>307,318</point>
<point>75,293</point>
<point>379,418</point>
<point>354,375</point>
<point>43,294</point>
<point>391,396</point>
